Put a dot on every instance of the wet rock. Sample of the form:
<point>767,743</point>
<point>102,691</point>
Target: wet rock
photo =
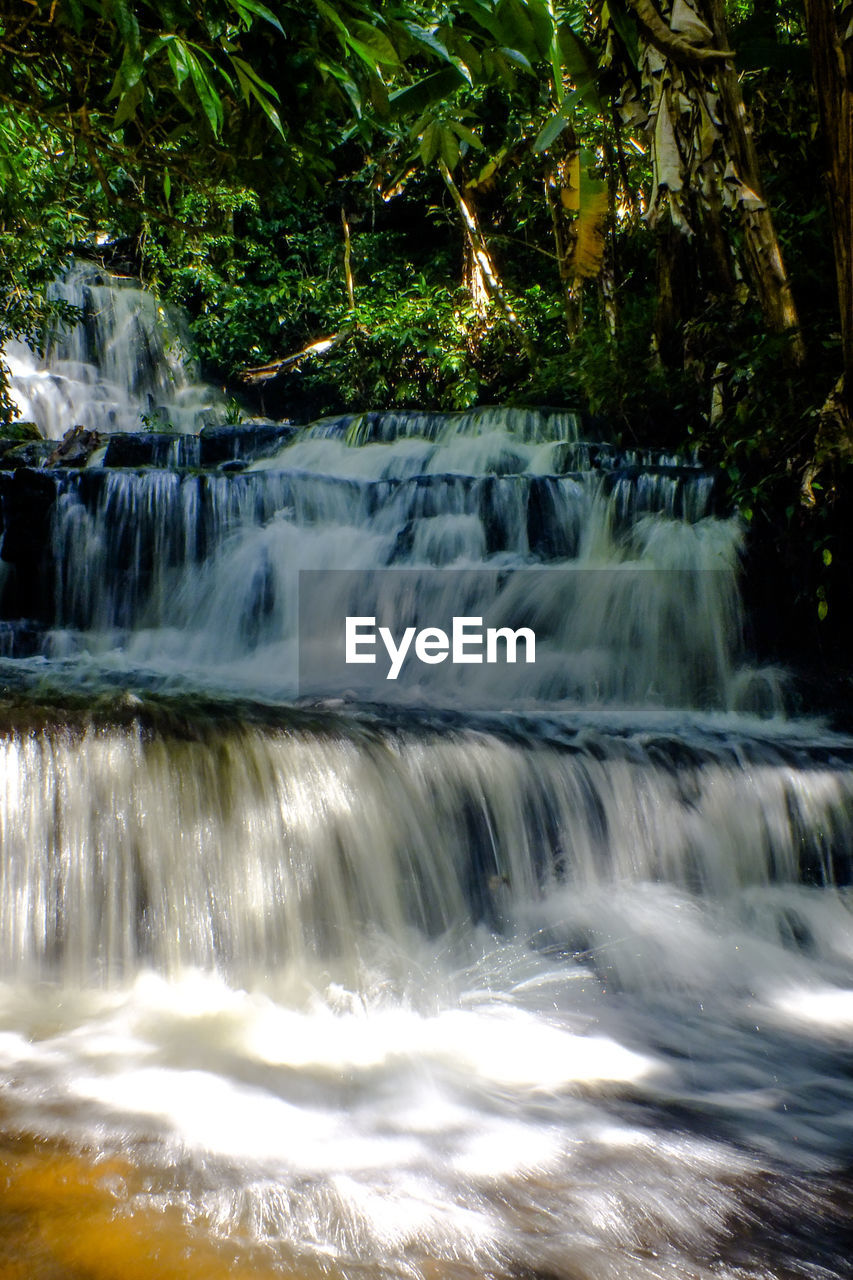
<point>140,448</point>
<point>76,448</point>
<point>244,441</point>
<point>553,525</point>
<point>27,499</point>
<point>33,454</point>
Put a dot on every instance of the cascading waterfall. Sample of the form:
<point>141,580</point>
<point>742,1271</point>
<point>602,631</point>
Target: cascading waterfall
<point>548,974</point>
<point>124,363</point>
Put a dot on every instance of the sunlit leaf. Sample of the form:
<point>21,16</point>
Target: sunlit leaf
<point>466,135</point>
<point>430,143</point>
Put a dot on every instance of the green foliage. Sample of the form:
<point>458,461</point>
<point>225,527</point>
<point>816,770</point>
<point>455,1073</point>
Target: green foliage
<point>409,349</point>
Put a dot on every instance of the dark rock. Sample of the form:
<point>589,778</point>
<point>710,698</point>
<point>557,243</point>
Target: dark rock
<point>33,454</point>
<point>245,441</point>
<point>140,448</point>
<point>27,502</point>
<point>553,525</point>
<point>75,449</point>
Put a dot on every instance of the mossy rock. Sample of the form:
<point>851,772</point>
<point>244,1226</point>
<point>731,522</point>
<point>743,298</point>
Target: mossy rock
<point>19,433</point>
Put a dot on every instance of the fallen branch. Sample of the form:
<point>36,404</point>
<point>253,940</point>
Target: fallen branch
<point>320,347</point>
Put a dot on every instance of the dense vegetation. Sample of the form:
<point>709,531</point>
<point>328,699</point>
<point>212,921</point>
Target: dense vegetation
<point>641,207</point>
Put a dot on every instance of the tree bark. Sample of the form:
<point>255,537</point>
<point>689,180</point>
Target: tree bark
<point>669,42</point>
<point>827,25</point>
<point>484,260</point>
<point>763,253</point>
<point>348,260</point>
<point>676,294</point>
<point>564,240</point>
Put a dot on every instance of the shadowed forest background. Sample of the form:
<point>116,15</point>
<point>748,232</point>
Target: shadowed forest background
<point>641,210</point>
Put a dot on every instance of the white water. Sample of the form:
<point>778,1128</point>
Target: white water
<point>562,990</point>
<point>125,366</point>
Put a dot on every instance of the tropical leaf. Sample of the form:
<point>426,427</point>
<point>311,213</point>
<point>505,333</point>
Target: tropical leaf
<point>177,55</point>
<point>465,134</point>
<point>550,131</point>
<point>128,104</point>
<point>589,227</point>
<point>428,39</point>
<point>377,41</point>
<point>211,103</point>
<point>430,143</point>
<point>516,56</point>
<point>581,65</point>
<point>625,27</point>
<point>432,88</point>
<point>247,9</point>
<point>448,146</point>
<point>253,86</point>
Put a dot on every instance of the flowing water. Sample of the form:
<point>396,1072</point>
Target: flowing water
<point>539,972</point>
<point>124,365</point>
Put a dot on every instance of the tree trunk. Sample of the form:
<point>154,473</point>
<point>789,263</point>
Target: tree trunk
<point>563,245</point>
<point>832,67</point>
<point>350,283</point>
<point>676,293</point>
<point>484,261</point>
<point>763,254</point>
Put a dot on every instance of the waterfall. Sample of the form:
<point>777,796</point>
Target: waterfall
<point>125,363</point>
<point>544,970</point>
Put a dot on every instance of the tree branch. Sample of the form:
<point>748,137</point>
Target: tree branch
<point>669,42</point>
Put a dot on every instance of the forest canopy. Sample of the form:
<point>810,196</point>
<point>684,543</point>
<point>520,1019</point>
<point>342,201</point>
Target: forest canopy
<point>641,207</point>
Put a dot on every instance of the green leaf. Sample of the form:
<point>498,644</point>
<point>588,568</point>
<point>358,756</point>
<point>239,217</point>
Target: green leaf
<point>430,143</point>
<point>240,64</point>
<point>416,97</point>
<point>367,55</point>
<point>268,109</point>
<point>467,135</point>
<point>424,37</point>
<point>581,66</point>
<point>430,41</point>
<point>177,52</point>
<point>128,104</point>
<point>378,42</point>
<point>75,9</point>
<point>516,28</point>
<point>329,13</point>
<point>549,132</point>
<point>167,185</point>
<point>346,81</point>
<point>542,18</point>
<point>210,100</point>
<point>247,8</point>
<point>822,610</point>
<point>626,29</point>
<point>126,23</point>
<point>827,556</point>
<point>449,147</point>
<point>516,56</point>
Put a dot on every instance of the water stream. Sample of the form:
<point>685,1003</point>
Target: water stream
<point>545,972</point>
